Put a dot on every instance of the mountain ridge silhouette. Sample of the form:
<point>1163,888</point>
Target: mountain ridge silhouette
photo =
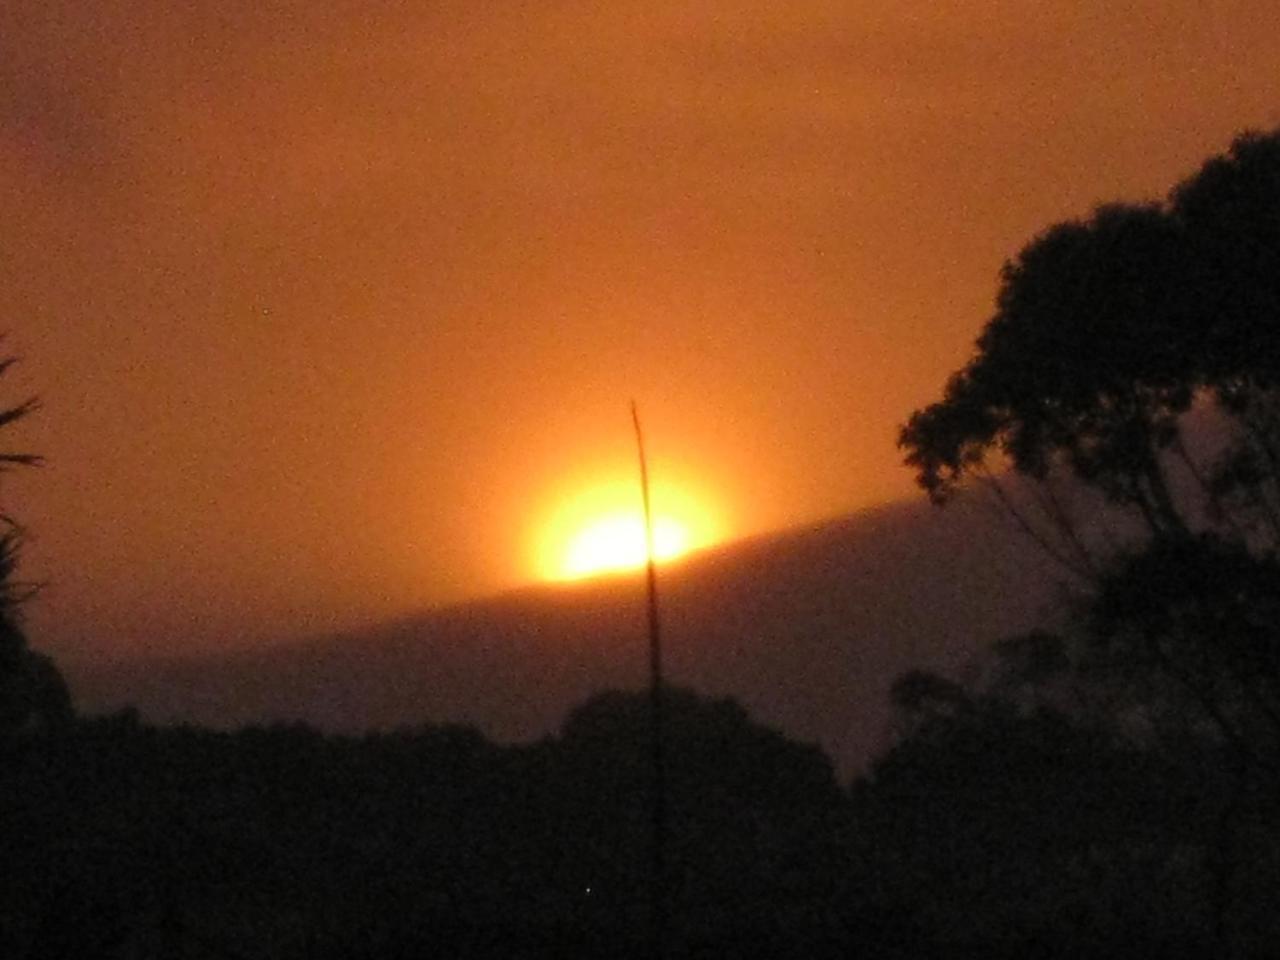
<point>806,628</point>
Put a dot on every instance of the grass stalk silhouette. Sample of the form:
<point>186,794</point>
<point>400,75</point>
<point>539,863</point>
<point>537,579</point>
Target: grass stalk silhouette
<point>658,888</point>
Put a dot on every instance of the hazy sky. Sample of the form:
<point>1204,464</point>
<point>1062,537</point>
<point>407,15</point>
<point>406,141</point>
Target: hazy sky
<point>330,303</point>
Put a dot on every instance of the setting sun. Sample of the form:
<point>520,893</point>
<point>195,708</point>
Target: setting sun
<point>601,530</point>
<point>618,543</point>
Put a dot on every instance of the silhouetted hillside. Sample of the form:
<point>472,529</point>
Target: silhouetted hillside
<point>806,628</point>
<point>126,842</point>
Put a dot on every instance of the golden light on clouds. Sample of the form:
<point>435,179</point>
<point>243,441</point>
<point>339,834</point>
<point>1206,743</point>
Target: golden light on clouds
<point>599,529</point>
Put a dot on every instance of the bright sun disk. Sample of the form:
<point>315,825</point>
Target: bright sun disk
<point>618,543</point>
<point>601,531</point>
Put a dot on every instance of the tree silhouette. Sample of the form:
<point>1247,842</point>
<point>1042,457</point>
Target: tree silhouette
<point>1107,332</point>
<point>32,692</point>
<point>1085,364</point>
<point>1000,825</point>
<point>1124,405</point>
<point>1134,359</point>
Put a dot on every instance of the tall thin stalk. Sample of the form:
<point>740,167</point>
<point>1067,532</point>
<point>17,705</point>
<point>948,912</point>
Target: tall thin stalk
<point>657,880</point>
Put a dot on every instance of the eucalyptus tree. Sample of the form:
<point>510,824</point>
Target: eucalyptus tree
<point>1123,404</point>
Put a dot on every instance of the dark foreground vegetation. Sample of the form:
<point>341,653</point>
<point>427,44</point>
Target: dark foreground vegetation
<point>1108,790</point>
<point>989,831</point>
<point>129,841</point>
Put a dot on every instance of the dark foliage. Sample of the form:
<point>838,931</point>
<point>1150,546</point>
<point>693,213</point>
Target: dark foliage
<point>1132,761</point>
<point>1107,330</point>
<point>33,696</point>
<point>280,842</point>
<point>994,828</point>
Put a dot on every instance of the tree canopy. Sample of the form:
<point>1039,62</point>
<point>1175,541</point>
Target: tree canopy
<point>1134,356</point>
<point>1106,333</point>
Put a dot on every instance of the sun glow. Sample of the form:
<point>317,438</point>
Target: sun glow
<point>601,530</point>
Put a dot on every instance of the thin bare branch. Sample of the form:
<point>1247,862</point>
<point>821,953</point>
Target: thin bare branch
<point>1061,558</point>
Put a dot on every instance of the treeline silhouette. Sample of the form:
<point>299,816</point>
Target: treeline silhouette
<point>991,829</point>
<point>277,842</point>
<point>1107,790</point>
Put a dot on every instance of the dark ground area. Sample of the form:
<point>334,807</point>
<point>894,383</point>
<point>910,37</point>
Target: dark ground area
<point>998,835</point>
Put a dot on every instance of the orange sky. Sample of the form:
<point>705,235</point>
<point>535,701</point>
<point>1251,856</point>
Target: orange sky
<point>329,302</point>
